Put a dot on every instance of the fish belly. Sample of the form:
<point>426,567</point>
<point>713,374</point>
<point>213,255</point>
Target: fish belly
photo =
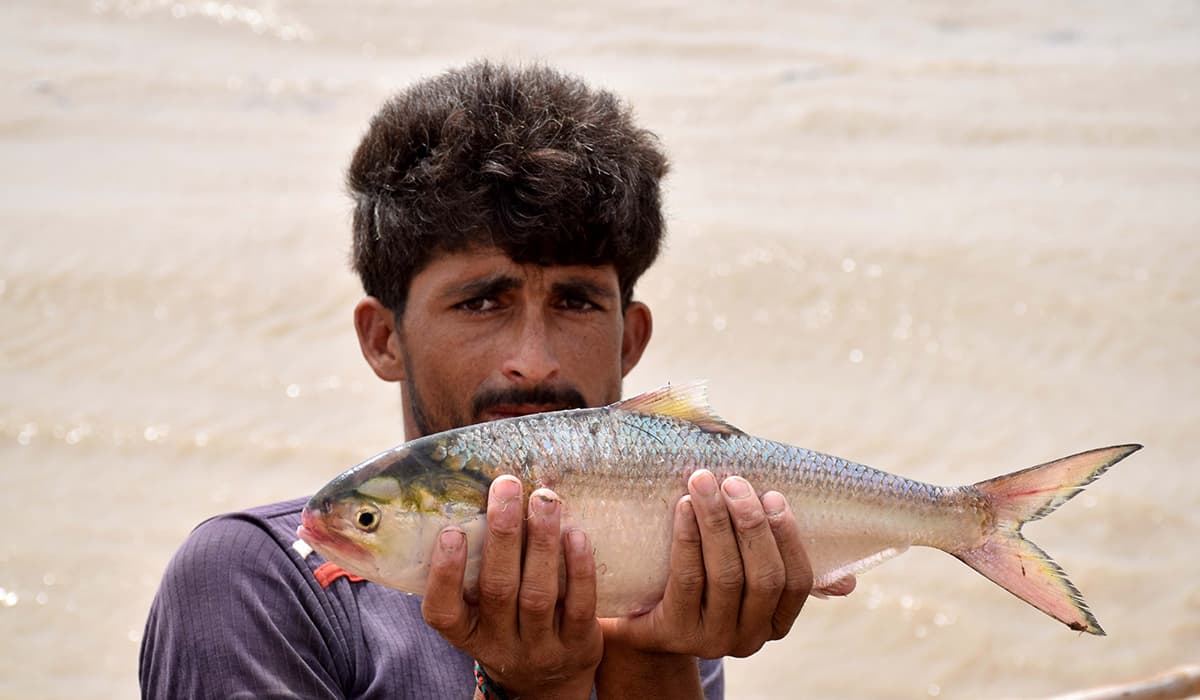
<point>630,533</point>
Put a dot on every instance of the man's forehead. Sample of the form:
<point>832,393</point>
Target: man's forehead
<point>457,267</point>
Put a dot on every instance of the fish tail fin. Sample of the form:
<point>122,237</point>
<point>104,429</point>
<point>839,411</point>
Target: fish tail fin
<point>1020,566</point>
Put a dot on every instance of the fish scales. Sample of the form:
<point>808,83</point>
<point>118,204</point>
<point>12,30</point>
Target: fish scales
<point>619,471</point>
<point>609,468</point>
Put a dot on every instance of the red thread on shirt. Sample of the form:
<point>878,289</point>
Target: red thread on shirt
<point>329,572</point>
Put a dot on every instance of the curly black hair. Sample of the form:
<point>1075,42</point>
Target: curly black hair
<point>525,159</point>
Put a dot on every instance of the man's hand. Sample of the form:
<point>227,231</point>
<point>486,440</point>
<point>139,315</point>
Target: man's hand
<point>739,575</point>
<point>532,639</point>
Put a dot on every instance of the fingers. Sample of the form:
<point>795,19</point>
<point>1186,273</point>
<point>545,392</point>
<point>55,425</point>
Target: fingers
<point>500,569</point>
<point>515,630</point>
<point>443,607</point>
<point>685,585</point>
<point>539,581</point>
<point>758,573</point>
<point>579,605</point>
<point>722,560</point>
<point>762,561</point>
<point>798,578</point>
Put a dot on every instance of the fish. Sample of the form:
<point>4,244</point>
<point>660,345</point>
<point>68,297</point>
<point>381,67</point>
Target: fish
<point>620,469</point>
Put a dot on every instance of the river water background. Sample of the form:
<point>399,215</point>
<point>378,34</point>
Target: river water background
<point>946,240</point>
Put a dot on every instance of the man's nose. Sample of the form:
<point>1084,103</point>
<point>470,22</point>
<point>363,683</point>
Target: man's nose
<point>532,358</point>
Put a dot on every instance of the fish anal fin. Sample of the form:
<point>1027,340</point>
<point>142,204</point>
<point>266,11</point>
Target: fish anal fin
<point>840,587</point>
<point>687,402</point>
<point>843,557</point>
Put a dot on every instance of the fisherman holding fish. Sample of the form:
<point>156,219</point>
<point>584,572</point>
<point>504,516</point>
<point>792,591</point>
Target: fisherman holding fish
<point>502,219</point>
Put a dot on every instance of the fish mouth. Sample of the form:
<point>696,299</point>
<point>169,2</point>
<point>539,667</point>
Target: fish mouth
<point>501,411</point>
<point>324,538</point>
<point>312,530</point>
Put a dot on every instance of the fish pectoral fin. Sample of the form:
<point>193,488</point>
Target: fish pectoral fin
<point>687,402</point>
<point>832,567</point>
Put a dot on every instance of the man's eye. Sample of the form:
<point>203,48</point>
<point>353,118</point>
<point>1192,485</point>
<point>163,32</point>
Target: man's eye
<point>577,304</point>
<point>478,304</point>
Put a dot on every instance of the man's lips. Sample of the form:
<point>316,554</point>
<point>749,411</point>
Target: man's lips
<point>514,410</point>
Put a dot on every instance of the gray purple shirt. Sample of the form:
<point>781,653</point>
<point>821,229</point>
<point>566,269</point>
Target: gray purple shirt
<point>243,611</point>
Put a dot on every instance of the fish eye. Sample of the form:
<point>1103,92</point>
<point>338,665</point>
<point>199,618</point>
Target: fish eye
<point>367,518</point>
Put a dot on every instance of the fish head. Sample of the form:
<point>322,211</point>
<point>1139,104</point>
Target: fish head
<point>380,519</point>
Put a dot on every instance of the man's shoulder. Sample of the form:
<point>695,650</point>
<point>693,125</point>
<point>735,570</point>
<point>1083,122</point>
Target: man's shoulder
<point>261,534</point>
<point>278,520</point>
<point>283,509</point>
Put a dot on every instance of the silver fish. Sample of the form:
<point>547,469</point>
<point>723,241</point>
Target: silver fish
<point>620,470</point>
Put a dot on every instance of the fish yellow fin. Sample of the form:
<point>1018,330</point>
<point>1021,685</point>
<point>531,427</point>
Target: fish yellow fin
<point>687,402</point>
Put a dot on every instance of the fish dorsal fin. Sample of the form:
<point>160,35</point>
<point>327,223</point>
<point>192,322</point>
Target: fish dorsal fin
<point>687,402</point>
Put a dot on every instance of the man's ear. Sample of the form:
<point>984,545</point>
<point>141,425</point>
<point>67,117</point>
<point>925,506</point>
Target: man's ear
<point>638,326</point>
<point>379,339</point>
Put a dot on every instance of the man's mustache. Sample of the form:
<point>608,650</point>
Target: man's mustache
<point>558,396</point>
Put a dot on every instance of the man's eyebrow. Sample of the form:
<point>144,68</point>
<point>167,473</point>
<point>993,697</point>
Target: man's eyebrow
<point>578,286</point>
<point>489,286</point>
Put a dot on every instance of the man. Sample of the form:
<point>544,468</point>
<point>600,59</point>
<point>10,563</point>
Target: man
<point>502,219</point>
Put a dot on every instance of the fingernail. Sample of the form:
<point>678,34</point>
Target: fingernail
<point>451,540</point>
<point>577,541</point>
<point>705,482</point>
<point>685,506</point>
<point>736,487</point>
<point>543,502</point>
<point>774,504</point>
<point>506,489</point>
